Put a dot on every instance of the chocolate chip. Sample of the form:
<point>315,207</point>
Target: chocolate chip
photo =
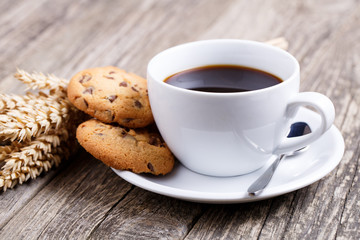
<point>110,115</point>
<point>123,84</point>
<point>89,90</point>
<point>85,78</point>
<point>138,104</point>
<point>108,77</point>
<point>100,134</point>
<point>86,103</point>
<point>154,141</point>
<point>123,133</point>
<point>150,167</point>
<point>127,120</point>
<point>112,98</point>
<point>134,89</point>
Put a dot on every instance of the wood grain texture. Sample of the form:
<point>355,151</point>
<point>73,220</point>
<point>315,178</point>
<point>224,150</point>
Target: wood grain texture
<point>84,199</point>
<point>82,194</point>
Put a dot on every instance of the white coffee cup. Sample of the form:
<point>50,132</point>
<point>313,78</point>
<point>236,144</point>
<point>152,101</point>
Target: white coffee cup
<point>228,134</point>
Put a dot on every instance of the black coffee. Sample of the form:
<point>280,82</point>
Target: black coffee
<point>223,79</point>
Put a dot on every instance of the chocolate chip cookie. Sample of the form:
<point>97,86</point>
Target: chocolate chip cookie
<point>140,150</point>
<point>112,95</point>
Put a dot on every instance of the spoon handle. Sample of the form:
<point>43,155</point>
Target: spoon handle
<point>264,179</point>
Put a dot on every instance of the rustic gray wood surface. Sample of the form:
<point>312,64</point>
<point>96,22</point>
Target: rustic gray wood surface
<point>84,199</point>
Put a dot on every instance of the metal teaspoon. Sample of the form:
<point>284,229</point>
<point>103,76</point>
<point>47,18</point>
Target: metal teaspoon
<point>297,129</point>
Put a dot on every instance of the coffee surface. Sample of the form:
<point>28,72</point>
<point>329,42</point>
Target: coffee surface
<point>223,79</point>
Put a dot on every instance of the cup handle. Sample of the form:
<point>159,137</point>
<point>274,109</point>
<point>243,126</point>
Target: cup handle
<point>322,105</point>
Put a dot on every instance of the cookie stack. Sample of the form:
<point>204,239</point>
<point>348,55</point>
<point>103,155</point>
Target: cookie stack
<point>122,134</point>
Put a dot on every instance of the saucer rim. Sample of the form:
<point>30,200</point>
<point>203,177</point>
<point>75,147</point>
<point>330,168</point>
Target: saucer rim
<point>241,196</point>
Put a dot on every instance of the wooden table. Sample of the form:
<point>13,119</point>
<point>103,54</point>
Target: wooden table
<point>85,199</point>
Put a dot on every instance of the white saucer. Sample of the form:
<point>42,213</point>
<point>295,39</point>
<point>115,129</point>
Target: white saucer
<point>292,174</point>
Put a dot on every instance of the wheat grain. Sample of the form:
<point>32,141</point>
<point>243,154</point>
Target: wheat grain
<point>37,130</point>
<point>38,80</point>
<point>34,116</point>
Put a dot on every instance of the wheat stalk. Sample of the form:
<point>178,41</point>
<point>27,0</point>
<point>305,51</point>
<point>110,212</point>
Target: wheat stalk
<point>37,130</point>
<point>41,81</point>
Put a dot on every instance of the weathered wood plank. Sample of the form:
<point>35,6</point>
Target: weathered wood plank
<point>145,215</point>
<point>71,205</point>
<point>237,221</point>
<point>62,31</point>
<point>12,201</point>
<point>14,12</point>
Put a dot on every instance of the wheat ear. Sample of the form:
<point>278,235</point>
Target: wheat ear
<point>37,130</point>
